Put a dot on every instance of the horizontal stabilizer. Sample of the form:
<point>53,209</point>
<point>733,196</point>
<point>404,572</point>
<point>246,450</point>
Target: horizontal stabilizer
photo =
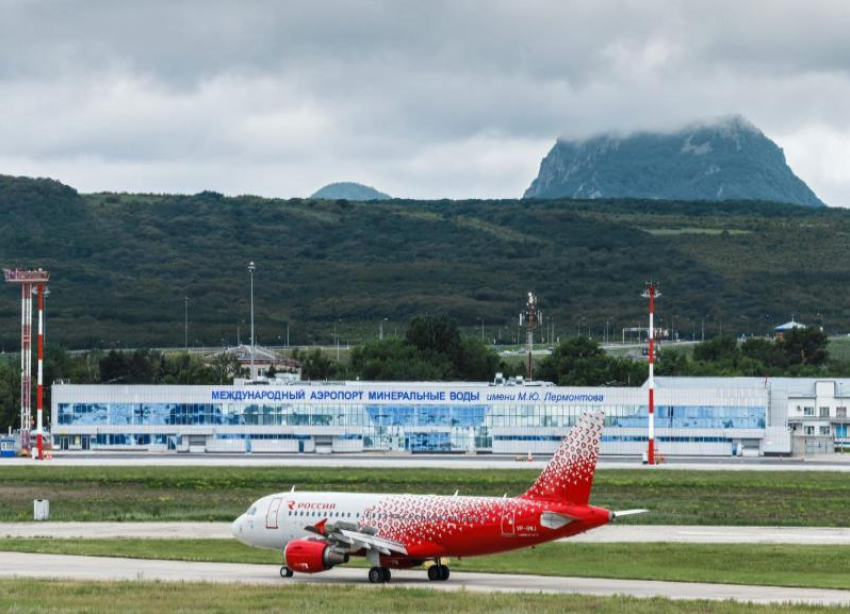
<point>615,515</point>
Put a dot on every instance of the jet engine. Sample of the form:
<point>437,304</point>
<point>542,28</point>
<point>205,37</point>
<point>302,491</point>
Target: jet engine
<point>312,556</point>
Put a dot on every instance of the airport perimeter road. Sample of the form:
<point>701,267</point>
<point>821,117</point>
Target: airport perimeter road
<point>388,461</point>
<point>606,534</point>
<point>96,568</point>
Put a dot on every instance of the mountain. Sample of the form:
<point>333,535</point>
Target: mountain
<point>348,190</point>
<point>727,159</point>
<point>121,264</point>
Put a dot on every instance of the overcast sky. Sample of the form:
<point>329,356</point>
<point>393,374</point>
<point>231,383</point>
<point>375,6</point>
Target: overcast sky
<point>419,99</point>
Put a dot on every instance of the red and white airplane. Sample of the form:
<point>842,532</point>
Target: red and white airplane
<point>318,530</point>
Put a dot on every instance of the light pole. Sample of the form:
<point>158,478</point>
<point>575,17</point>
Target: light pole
<point>337,339</point>
<point>381,333</point>
<point>482,329</point>
<point>46,295</point>
<point>251,268</point>
<point>186,323</point>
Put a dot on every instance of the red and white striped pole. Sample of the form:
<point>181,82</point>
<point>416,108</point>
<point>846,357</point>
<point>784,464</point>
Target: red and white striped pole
<point>39,389</point>
<point>651,292</point>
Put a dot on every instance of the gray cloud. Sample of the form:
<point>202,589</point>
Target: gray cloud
<point>421,99</point>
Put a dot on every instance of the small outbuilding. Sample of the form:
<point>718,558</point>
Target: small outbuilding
<point>784,328</point>
<point>265,361</point>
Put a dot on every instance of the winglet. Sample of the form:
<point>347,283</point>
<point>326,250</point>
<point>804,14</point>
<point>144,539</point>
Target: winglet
<point>318,528</point>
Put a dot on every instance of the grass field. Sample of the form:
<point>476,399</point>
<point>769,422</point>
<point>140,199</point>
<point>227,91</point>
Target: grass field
<point>222,493</point>
<point>774,565</point>
<point>39,596</point>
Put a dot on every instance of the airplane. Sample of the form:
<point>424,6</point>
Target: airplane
<point>317,531</point>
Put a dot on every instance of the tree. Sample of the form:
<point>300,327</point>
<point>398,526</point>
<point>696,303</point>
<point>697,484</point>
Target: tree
<point>671,362</point>
<point>476,362</point>
<point>113,368</point>
<point>396,360</point>
<point>432,349</point>
<point>580,361</point>
<point>10,396</point>
<point>805,346</point>
<point>315,365</point>
<point>435,333</point>
<point>226,367</point>
<point>769,353</point>
<point>719,348</point>
<point>140,368</point>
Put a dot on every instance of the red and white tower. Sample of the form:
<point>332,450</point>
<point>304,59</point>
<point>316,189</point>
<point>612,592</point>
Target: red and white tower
<point>651,293</point>
<point>28,279</point>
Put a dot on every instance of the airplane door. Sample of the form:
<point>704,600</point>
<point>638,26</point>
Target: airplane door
<point>508,521</point>
<point>271,514</point>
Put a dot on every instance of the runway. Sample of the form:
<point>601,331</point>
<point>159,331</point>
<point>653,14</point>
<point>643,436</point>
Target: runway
<point>112,569</point>
<point>607,534</point>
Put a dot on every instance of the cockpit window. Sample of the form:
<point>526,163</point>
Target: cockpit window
<point>252,510</point>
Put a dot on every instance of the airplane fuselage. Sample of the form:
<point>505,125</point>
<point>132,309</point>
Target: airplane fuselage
<point>429,526</point>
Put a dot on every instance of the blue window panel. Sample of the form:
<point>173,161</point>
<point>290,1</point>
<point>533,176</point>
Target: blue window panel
<point>696,416</point>
<point>429,442</point>
<point>390,415</point>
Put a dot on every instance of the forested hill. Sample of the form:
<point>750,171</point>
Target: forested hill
<point>122,264</point>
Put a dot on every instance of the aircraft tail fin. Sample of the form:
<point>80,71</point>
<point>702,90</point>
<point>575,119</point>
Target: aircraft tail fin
<point>569,475</point>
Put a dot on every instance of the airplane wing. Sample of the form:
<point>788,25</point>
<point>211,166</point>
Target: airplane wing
<point>348,536</point>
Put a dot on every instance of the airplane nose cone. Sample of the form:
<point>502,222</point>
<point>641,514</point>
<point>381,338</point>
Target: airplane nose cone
<point>236,528</point>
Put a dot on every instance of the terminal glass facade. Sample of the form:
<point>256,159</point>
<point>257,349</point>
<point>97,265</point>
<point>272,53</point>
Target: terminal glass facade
<point>478,419</point>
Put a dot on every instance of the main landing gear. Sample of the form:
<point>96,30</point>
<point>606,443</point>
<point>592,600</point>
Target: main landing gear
<point>379,575</point>
<point>286,572</point>
<point>438,573</point>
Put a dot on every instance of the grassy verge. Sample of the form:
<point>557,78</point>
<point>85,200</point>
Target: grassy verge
<point>37,596</point>
<point>772,565</point>
<point>222,493</point>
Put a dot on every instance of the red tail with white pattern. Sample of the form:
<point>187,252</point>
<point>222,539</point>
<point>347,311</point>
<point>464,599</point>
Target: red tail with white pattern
<point>569,475</point>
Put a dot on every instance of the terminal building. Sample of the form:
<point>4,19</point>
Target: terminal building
<point>694,417</point>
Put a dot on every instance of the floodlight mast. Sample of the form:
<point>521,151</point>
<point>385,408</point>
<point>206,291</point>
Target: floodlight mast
<point>531,317</point>
<point>651,293</point>
<point>27,279</point>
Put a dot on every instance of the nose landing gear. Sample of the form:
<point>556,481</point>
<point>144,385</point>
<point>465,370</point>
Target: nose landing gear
<point>286,572</point>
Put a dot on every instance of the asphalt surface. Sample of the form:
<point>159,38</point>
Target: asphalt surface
<point>607,534</point>
<point>456,461</point>
<point>112,569</point>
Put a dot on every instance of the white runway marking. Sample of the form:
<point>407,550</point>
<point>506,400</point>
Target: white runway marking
<point>606,534</point>
<point>110,569</point>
